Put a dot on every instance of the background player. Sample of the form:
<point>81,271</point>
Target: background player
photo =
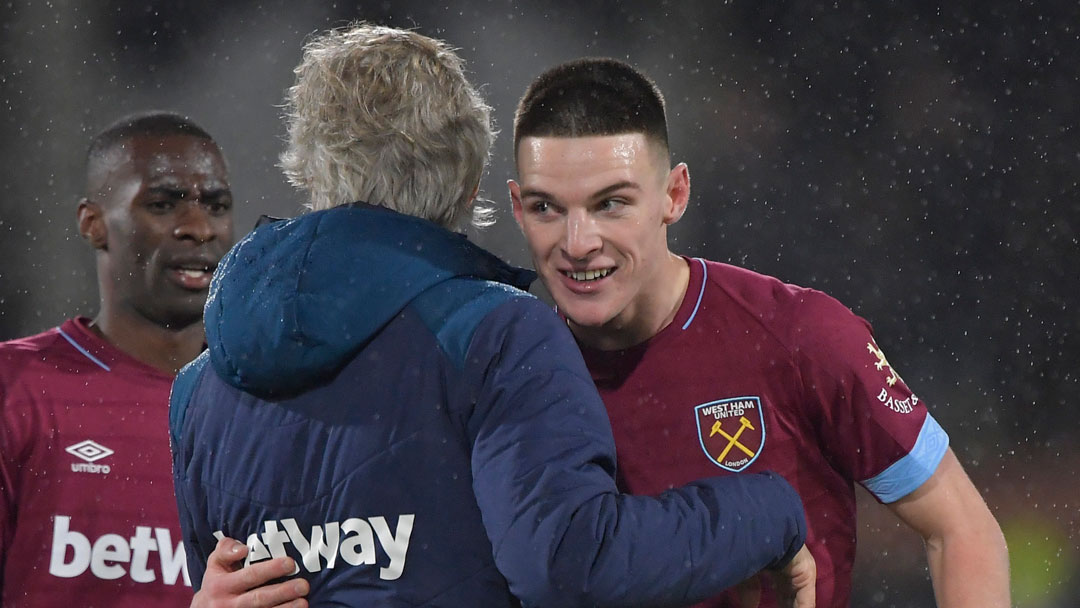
<point>708,369</point>
<point>87,514</point>
<point>380,399</point>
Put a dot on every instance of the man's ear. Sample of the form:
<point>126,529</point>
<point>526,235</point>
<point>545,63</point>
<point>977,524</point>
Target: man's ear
<point>91,219</point>
<point>515,198</point>
<point>678,193</point>
<point>475,192</point>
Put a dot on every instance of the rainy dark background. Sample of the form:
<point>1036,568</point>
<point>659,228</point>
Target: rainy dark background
<point>918,163</point>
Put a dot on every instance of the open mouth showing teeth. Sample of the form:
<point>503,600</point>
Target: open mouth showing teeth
<point>589,275</point>
<point>194,273</point>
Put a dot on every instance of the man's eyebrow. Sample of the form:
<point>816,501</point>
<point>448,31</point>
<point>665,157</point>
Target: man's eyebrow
<point>534,193</point>
<point>174,191</point>
<point>625,184</point>
<point>168,190</point>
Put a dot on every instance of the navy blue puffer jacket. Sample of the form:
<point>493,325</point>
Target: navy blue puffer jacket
<point>381,401</point>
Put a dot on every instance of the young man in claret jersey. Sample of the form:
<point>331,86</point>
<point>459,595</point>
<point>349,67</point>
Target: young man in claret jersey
<point>710,369</point>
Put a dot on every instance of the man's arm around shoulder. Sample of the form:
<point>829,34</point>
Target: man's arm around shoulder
<point>543,474</point>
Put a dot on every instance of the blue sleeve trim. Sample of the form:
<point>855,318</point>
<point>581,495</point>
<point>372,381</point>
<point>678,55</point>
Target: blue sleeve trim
<point>905,475</point>
<point>182,389</point>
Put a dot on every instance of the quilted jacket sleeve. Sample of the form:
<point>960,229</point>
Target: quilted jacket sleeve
<point>543,472</point>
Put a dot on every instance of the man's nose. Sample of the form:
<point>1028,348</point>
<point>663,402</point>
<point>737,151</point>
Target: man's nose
<point>194,222</point>
<point>582,236</point>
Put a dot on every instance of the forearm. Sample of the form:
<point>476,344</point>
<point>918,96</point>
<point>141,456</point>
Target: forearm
<point>970,568</point>
<point>969,563</point>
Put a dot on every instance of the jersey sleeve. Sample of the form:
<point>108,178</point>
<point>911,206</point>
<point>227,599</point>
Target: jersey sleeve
<point>543,474</point>
<point>871,425</point>
<point>17,426</point>
<point>7,480</point>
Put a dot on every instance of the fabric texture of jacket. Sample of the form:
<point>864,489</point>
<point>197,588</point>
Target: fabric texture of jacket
<point>383,402</point>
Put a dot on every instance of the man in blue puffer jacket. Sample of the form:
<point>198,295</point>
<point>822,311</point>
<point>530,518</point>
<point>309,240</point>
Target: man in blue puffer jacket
<point>382,401</point>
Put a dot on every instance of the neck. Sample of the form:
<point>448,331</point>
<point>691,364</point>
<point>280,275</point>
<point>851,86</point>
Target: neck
<point>647,316</point>
<point>163,348</point>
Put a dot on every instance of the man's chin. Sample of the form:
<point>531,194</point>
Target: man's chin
<point>181,314</point>
<point>585,318</point>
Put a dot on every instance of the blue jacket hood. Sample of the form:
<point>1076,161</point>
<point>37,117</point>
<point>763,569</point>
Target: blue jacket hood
<point>292,302</point>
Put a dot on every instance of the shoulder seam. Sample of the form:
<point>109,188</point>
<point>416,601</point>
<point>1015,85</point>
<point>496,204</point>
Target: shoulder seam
<point>454,310</point>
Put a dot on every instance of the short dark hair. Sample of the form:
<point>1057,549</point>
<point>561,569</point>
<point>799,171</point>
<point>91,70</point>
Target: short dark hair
<point>154,123</point>
<point>591,96</point>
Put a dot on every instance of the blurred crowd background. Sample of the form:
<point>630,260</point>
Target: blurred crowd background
<point>918,162</point>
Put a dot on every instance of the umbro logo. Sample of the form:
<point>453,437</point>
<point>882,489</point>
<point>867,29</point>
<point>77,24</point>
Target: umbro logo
<point>90,452</point>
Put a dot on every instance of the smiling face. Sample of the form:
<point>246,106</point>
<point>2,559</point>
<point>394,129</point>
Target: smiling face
<point>595,212</point>
<point>159,211</point>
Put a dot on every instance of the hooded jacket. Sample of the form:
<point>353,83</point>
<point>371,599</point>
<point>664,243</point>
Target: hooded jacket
<point>382,401</point>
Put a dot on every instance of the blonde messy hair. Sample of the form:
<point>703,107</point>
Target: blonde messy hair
<point>386,116</point>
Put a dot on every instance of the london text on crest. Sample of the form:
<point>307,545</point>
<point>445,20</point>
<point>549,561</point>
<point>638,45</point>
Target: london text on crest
<point>731,431</point>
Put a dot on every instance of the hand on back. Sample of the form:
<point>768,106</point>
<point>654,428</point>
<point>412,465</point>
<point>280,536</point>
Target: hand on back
<point>227,584</point>
<point>795,583</point>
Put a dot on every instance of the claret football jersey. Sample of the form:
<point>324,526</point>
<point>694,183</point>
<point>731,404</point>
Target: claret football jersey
<point>87,512</point>
<point>754,375</point>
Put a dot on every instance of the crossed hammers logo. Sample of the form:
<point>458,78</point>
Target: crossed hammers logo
<point>733,440</point>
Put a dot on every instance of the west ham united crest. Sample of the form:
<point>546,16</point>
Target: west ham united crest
<point>732,431</point>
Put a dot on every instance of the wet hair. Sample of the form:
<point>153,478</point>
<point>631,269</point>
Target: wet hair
<point>386,116</point>
<point>154,123</point>
<point>591,97</point>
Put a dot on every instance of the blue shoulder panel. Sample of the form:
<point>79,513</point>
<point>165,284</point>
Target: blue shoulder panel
<point>454,309</point>
<point>182,389</point>
<point>905,475</point>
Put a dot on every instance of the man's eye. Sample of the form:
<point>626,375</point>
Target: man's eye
<point>219,207</point>
<point>541,207</point>
<point>160,206</point>
<point>611,204</point>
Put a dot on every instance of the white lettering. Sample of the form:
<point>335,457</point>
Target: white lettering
<point>63,538</point>
<point>173,561</point>
<point>363,538</point>
<point>89,467</point>
<point>329,549</point>
<point>256,550</point>
<point>729,409</point>
<point>905,406</point>
<point>109,548</point>
<point>103,557</point>
<point>275,541</point>
<point>310,551</point>
<point>396,548</point>
<point>353,540</point>
<point>141,546</point>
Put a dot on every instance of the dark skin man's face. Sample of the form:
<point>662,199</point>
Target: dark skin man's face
<point>159,210</point>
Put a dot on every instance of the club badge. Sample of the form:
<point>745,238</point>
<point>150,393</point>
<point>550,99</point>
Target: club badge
<point>731,431</point>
